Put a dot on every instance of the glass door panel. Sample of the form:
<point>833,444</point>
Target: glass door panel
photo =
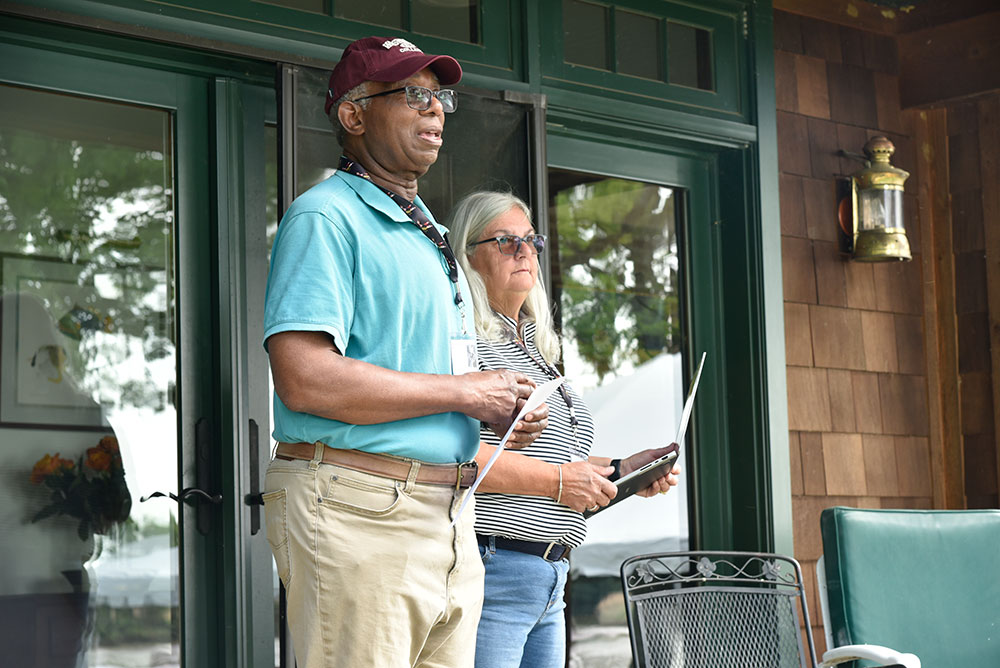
<point>615,278</point>
<point>88,386</point>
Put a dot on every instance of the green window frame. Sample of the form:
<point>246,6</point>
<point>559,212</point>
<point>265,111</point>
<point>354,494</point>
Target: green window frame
<point>725,23</point>
<point>261,29</point>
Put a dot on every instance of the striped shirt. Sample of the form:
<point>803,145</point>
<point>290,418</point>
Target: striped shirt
<point>535,518</point>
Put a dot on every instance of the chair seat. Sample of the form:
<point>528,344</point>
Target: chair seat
<point>925,582</point>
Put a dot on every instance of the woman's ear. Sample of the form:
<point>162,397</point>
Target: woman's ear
<point>351,117</point>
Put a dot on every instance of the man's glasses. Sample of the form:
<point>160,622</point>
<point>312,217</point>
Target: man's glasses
<point>510,244</point>
<point>419,98</point>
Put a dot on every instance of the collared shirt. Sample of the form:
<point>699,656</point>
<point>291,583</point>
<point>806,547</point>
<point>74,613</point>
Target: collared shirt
<point>348,261</point>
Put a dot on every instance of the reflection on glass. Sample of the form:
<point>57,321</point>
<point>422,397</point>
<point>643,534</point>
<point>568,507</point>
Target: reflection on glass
<point>616,280</point>
<point>87,391</point>
<point>387,13</point>
<point>637,45</point>
<point>881,208</point>
<point>585,34</point>
<point>451,19</point>
<point>689,54</point>
<point>318,151</point>
<point>499,129</point>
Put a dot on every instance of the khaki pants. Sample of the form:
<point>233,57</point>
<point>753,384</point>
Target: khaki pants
<point>374,575</point>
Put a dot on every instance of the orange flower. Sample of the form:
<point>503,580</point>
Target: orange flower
<point>98,459</point>
<point>48,465</point>
<point>109,444</point>
<point>104,455</point>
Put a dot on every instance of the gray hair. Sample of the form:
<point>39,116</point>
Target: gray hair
<point>358,91</point>
<point>466,222</point>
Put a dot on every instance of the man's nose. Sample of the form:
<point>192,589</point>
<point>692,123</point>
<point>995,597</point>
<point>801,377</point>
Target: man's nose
<point>436,107</point>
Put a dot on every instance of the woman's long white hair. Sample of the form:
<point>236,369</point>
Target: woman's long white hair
<point>466,222</point>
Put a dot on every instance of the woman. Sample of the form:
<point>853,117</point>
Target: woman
<point>529,509</point>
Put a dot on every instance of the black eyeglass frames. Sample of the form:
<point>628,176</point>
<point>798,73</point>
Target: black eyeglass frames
<point>419,97</point>
<point>510,244</point>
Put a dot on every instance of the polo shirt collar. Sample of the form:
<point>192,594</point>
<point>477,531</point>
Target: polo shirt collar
<point>376,198</point>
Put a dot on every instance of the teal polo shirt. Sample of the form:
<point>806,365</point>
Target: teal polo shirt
<point>347,261</point>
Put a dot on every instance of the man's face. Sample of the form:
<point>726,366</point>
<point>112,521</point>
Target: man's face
<point>404,141</point>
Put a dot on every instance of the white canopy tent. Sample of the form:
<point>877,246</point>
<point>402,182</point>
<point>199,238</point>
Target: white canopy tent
<point>632,413</point>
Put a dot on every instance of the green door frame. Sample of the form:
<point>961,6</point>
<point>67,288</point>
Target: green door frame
<point>241,110</point>
<point>730,493</point>
<point>227,607</point>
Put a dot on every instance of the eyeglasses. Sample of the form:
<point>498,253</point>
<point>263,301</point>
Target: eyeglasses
<point>419,98</point>
<point>510,244</point>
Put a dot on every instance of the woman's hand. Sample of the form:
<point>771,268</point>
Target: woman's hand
<point>527,428</point>
<point>640,459</point>
<point>586,485</point>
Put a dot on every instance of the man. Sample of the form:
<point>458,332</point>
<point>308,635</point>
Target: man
<point>376,398</point>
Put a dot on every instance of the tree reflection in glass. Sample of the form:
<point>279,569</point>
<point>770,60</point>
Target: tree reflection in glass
<point>87,232</point>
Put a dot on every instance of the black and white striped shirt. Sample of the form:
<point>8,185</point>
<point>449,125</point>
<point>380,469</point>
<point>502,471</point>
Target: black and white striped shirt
<point>535,518</point>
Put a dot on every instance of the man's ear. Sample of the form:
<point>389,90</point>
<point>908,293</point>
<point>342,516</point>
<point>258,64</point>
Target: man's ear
<point>351,117</point>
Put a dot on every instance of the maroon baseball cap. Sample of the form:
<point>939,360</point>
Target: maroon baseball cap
<point>386,59</point>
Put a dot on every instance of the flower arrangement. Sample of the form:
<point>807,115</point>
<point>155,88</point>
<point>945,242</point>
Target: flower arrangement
<point>91,489</point>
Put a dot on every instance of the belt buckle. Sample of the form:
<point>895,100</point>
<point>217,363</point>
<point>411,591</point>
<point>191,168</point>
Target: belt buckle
<point>548,550</point>
<point>461,470</point>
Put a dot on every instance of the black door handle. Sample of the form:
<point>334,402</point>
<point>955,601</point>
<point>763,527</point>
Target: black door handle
<point>254,499</point>
<point>189,493</point>
<point>203,480</point>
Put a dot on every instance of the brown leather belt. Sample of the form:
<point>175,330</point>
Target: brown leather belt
<point>459,476</point>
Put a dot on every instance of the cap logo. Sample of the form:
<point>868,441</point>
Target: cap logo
<point>404,46</point>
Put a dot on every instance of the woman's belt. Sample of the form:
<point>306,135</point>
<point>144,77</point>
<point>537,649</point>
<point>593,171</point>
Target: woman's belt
<point>547,551</point>
<point>459,476</point>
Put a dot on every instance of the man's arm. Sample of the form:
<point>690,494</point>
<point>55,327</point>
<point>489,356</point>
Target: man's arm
<point>311,376</point>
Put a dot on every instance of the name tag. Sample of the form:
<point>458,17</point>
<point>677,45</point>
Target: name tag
<point>464,358</point>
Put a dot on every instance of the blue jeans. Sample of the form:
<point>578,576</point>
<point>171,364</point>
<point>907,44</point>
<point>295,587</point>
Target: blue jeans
<point>522,622</point>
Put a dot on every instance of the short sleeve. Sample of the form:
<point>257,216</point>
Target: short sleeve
<point>311,282</point>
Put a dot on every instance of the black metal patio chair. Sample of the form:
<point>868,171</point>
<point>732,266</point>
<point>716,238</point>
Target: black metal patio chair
<point>726,610</point>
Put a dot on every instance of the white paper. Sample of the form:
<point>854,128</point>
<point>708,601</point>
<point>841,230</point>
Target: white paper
<point>537,398</point>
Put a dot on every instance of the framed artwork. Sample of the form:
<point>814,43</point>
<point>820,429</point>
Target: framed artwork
<point>47,309</point>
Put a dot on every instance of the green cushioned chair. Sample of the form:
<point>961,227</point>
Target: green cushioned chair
<point>925,582</point>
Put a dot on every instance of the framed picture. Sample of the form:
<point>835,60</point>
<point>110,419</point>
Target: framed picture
<point>47,308</point>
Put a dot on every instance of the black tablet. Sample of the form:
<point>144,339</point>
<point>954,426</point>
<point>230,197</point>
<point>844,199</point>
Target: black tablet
<point>641,478</point>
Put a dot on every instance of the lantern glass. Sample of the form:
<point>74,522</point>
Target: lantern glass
<point>881,208</point>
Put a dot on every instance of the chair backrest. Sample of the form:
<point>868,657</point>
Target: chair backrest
<point>716,610</point>
<point>919,581</point>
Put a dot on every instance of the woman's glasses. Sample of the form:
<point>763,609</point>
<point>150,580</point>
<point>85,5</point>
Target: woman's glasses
<point>510,244</point>
<point>419,98</point>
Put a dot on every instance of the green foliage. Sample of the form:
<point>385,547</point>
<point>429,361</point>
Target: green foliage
<point>86,196</point>
<point>618,263</point>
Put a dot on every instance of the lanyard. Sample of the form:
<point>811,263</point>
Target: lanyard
<point>551,372</point>
<point>423,223</point>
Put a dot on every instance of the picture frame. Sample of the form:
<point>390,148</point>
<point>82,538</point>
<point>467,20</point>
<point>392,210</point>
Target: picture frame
<point>46,306</point>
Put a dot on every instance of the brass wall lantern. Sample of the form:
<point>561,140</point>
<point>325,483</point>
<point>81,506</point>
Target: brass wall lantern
<point>870,206</point>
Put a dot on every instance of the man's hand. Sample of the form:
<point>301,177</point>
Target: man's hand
<point>640,459</point>
<point>586,485</point>
<point>527,429</point>
<point>496,396</point>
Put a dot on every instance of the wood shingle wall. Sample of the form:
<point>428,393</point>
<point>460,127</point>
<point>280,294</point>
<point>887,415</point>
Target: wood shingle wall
<point>857,386</point>
<point>892,368</point>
